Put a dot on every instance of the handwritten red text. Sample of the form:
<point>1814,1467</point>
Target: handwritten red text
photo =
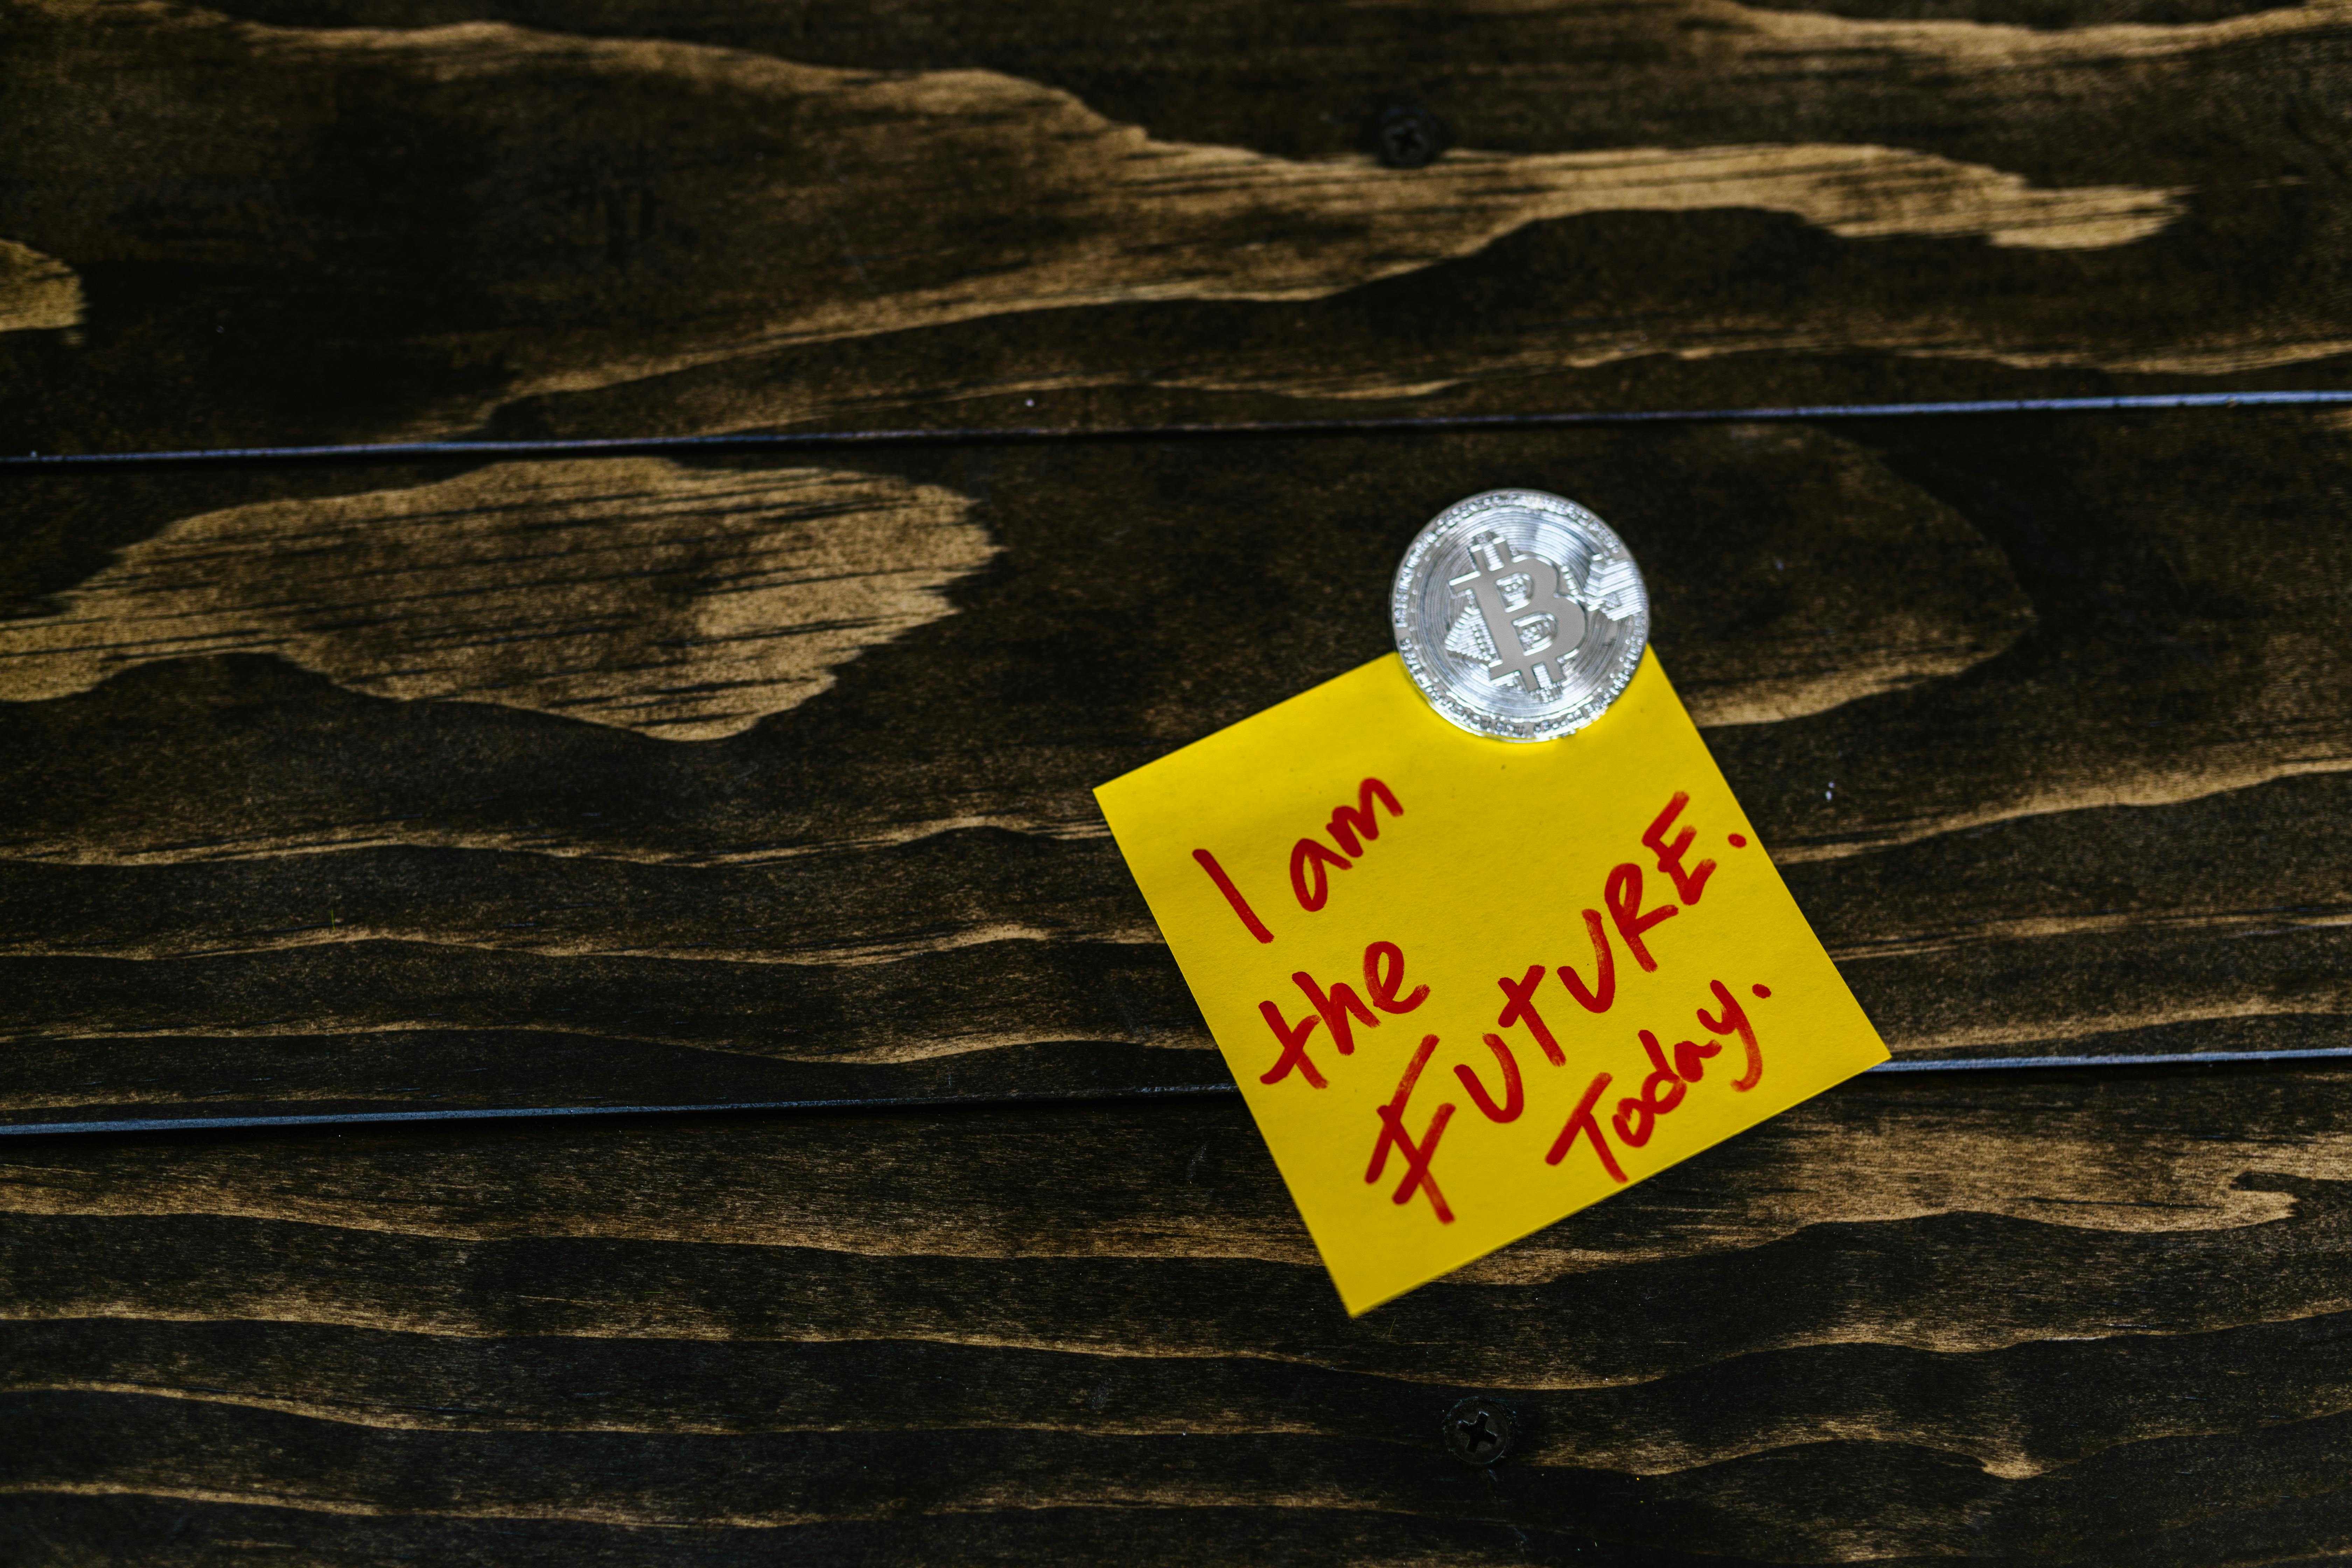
<point>1337,1008</point>
<point>1350,827</point>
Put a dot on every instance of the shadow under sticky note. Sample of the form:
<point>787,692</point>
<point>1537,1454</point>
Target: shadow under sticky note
<point>1469,987</point>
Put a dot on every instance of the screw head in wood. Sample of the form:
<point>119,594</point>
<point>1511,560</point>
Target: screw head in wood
<point>1481,1431</point>
<point>1407,136</point>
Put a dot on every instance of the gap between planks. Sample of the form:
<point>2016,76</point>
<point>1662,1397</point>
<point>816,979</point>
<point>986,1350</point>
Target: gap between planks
<point>962,1102</point>
<point>778,440</point>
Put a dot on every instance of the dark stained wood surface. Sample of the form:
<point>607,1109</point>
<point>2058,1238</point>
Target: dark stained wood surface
<point>2034,1318</point>
<point>685,777</point>
<point>431,218</point>
<point>632,781</point>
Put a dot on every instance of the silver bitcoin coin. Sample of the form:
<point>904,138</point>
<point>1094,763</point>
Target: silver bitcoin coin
<point>1520,614</point>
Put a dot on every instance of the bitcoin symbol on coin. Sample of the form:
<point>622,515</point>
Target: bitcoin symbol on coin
<point>1519,614</point>
<point>1528,627</point>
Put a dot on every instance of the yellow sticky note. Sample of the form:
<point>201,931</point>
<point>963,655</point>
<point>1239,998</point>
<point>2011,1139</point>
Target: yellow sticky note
<point>1469,987</point>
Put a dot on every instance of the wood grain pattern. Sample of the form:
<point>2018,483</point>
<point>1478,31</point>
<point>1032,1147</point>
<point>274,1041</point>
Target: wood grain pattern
<point>2045,720</point>
<point>605,780</point>
<point>37,293</point>
<point>633,218</point>
<point>2045,1318</point>
<point>633,592</point>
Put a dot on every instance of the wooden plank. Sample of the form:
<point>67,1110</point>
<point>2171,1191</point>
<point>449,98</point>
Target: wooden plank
<point>2039,1318</point>
<point>587,783</point>
<point>301,221</point>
